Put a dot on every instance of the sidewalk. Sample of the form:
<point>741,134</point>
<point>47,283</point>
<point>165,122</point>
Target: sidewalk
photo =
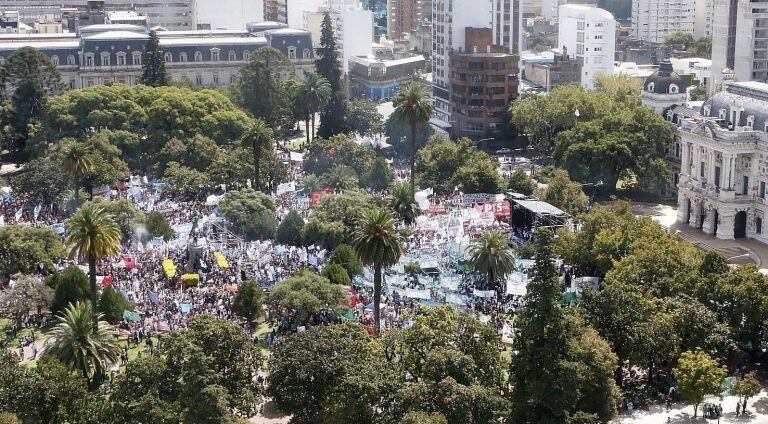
<point>757,409</point>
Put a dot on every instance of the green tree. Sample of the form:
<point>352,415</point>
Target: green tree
<point>77,163</point>
<point>364,118</point>
<point>250,213</point>
<point>197,153</point>
<point>520,182</point>
<point>153,63</point>
<point>70,286</point>
<point>302,296</point>
<point>333,117</point>
<point>108,165</point>
<point>402,203</point>
<point>91,235</point>
<point>40,180</point>
<point>563,193</point>
<point>185,179</point>
<point>620,87</point>
<point>698,376</point>
<point>445,164</point>
<point>679,38</point>
<point>336,274</point>
<point>379,176</point>
<point>322,155</point>
<point>314,93</point>
<point>746,387</point>
<point>28,250</point>
<point>261,91</point>
<point>414,106</point>
<point>491,256</point>
<point>82,346</point>
<point>699,93</point>
<point>335,218</point>
<point>289,230</point>
<point>398,131</point>
<point>702,47</point>
<point>482,176</point>
<point>345,256</point>
<point>112,304</point>
<point>210,406</point>
<point>341,178</point>
<point>248,301</point>
<point>419,417</point>
<point>29,295</point>
<point>257,137</point>
<point>126,215</point>
<point>377,244</point>
<point>30,77</point>
<point>158,226</point>
<point>334,373</point>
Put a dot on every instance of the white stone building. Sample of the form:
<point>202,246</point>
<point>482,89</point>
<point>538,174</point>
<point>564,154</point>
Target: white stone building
<point>297,9</point>
<point>724,163</point>
<point>228,14</point>
<point>353,26</point>
<point>703,18</point>
<point>652,20</point>
<point>588,33</point>
<point>740,40</point>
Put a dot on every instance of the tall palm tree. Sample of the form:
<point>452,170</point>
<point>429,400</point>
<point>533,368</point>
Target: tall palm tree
<point>92,234</point>
<point>403,204</point>
<point>257,137</point>
<point>77,163</point>
<point>314,94</point>
<point>377,244</point>
<point>341,177</point>
<point>490,254</point>
<point>413,105</point>
<point>83,347</point>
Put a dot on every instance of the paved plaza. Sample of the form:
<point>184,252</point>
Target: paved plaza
<point>757,409</point>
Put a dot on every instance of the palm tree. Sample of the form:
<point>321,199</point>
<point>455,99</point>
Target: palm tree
<point>77,163</point>
<point>257,137</point>
<point>377,244</point>
<point>403,204</point>
<point>314,94</point>
<point>83,347</point>
<point>413,105</point>
<point>341,177</point>
<point>92,234</point>
<point>490,254</point>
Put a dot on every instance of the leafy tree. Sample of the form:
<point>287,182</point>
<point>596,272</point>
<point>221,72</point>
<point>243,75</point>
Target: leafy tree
<point>402,203</point>
<point>27,294</point>
<point>250,213</point>
<point>314,93</point>
<point>30,77</point>
<point>333,220</point>
<point>345,256</point>
<point>679,38</point>
<point>184,178</point>
<point>699,93</point>
<point>77,163</point>
<point>70,286</point>
<point>289,230</point>
<point>334,373</point>
<point>40,180</point>
<point>490,255</point>
<point>740,299</point>
<point>322,155</point>
<point>482,176</point>
<point>126,215</point>
<point>379,176</point>
<point>414,106</point>
<point>620,87</point>
<point>258,136</point>
<point>303,296</point>
<point>197,153</point>
<point>702,47</point>
<point>112,304</point>
<point>341,178</point>
<point>153,63</point>
<point>261,90</point>
<point>210,406</point>
<point>419,417</point>
<point>520,182</point>
<point>248,301</point>
<point>377,244</point>
<point>698,376</point>
<point>333,117</point>
<point>28,250</point>
<point>364,118</point>
<point>91,235</point>
<point>108,165</point>
<point>336,274</point>
<point>563,193</point>
<point>445,164</point>
<point>746,387</point>
<point>83,347</point>
<point>398,131</point>
<point>158,226</point>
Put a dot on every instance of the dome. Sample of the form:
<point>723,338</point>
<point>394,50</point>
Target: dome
<point>665,81</point>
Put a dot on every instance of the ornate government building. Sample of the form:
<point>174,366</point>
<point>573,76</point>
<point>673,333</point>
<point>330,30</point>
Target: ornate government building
<point>112,53</point>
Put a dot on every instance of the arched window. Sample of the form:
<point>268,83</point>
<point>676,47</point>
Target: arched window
<point>722,114</point>
<point>55,60</point>
<point>168,57</point>
<point>246,55</point>
<point>707,110</point>
<point>89,59</point>
<point>198,57</point>
<point>307,54</point>
<point>215,54</point>
<point>751,121</point>
<point>182,57</point>
<point>232,56</point>
<point>106,60</point>
<point>70,60</point>
<point>136,58</point>
<point>291,52</point>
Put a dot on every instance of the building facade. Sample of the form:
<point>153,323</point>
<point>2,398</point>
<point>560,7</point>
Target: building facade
<point>406,16</point>
<point>276,11</point>
<point>652,20</point>
<point>483,82</point>
<point>228,14</point>
<point>704,18</point>
<point>561,70</point>
<point>297,9</point>
<point>378,79</point>
<point>102,54</point>
<point>588,33</point>
<point>724,164</point>
<point>353,27</point>
<point>740,40</point>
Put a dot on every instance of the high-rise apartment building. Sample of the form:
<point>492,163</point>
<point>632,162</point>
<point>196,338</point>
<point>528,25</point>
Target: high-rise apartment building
<point>652,20</point>
<point>704,18</point>
<point>297,8</point>
<point>276,11</point>
<point>406,16</point>
<point>228,14</point>
<point>588,33</point>
<point>353,27</point>
<point>449,20</point>
<point>740,40</point>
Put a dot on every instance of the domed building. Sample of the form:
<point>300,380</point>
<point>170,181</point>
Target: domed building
<point>664,89</point>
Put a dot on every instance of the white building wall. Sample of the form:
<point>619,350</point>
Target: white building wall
<point>313,22</point>
<point>229,14</point>
<point>353,26</point>
<point>704,15</point>
<point>748,47</point>
<point>297,8</point>
<point>652,20</point>
<point>589,33</point>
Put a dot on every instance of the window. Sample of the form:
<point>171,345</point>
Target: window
<point>106,60</point>
<point>751,121</point>
<point>55,60</point>
<point>121,59</point>
<point>759,225</point>
<point>136,58</point>
<point>89,59</point>
<point>232,56</point>
<point>216,79</point>
<point>246,55</point>
<point>291,52</point>
<point>199,79</point>
<point>597,49</point>
<point>182,57</point>
<point>722,114</point>
<point>762,189</point>
<point>745,186</point>
<point>673,89</point>
<point>168,57</point>
<point>198,57</point>
<point>701,170</point>
<point>307,54</point>
<point>215,55</point>
<point>70,60</point>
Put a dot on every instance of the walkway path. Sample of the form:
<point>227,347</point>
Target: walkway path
<point>683,414</point>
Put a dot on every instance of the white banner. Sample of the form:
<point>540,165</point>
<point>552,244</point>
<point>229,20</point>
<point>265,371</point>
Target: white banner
<point>285,188</point>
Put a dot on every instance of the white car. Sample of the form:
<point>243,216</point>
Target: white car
<point>503,151</point>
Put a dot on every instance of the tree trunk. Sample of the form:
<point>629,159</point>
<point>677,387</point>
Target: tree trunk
<point>77,194</point>
<point>306,126</point>
<point>413,162</point>
<point>618,374</point>
<point>256,154</point>
<point>377,298</point>
<point>695,409</point>
<point>313,125</point>
<point>94,293</point>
